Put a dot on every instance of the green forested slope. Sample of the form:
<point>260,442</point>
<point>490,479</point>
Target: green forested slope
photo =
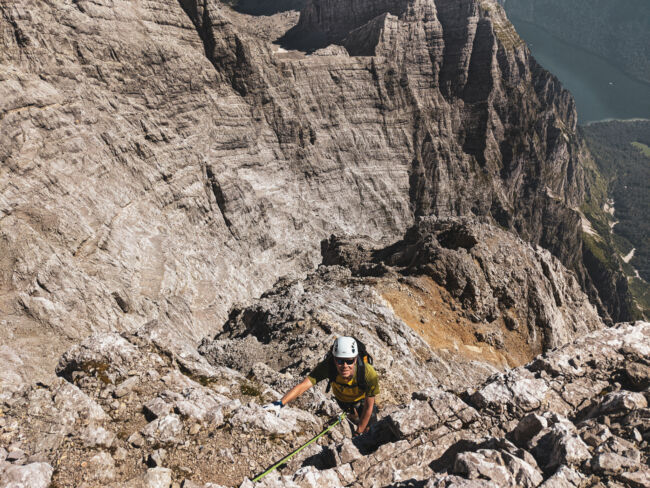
<point>621,151</point>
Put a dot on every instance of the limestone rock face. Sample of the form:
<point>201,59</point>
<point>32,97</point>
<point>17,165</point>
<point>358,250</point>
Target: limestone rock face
<point>162,161</point>
<point>447,453</point>
<point>156,424</point>
<point>165,160</point>
<point>456,300</point>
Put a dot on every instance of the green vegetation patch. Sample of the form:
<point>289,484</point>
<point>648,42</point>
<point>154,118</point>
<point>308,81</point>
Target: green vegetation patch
<point>620,172</point>
<point>642,147</point>
<point>250,389</point>
<point>601,250</point>
<point>641,292</point>
<point>97,369</point>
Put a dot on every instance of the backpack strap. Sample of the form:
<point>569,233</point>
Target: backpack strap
<point>361,374</point>
<point>332,372</point>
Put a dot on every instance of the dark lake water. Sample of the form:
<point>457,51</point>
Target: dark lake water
<point>602,91</point>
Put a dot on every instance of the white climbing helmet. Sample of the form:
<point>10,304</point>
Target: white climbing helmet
<point>345,347</point>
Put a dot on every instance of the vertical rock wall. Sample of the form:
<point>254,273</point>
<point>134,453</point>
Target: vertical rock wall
<point>164,160</point>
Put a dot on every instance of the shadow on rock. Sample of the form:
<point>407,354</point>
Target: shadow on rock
<point>448,457</point>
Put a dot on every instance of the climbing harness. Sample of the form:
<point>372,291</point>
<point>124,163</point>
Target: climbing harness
<point>339,419</point>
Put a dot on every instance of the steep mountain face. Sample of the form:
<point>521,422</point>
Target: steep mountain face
<point>597,26</point>
<point>162,161</point>
<point>165,160</point>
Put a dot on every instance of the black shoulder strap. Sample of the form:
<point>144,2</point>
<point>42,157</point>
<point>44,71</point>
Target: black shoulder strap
<point>361,374</point>
<point>332,373</point>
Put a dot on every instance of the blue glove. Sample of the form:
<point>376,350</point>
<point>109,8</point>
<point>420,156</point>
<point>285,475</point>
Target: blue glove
<point>274,407</point>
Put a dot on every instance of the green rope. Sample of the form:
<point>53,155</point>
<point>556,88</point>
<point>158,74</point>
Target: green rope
<point>340,418</point>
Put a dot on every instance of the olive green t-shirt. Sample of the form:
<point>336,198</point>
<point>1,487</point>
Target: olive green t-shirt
<point>347,391</point>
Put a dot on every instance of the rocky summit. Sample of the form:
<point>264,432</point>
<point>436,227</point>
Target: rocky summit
<point>196,198</point>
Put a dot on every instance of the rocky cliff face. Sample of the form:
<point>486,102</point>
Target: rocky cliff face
<point>458,299</point>
<point>146,409</point>
<point>162,161</point>
<point>166,160</point>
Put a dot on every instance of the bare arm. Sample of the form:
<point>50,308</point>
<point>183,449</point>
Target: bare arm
<point>365,414</point>
<point>296,391</point>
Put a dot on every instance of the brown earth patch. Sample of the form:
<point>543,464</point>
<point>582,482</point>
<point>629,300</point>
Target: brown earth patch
<point>439,319</point>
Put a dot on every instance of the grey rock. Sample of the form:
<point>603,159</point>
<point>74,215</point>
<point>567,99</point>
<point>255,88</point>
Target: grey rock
<point>254,417</point>
<point>528,427</point>
<point>98,437</point>
<point>457,482</point>
<point>348,452</point>
<point>620,446</point>
<point>566,447</point>
<point>125,387</point>
<point>157,407</point>
<point>47,416</point>
<point>622,402</point>
<point>175,345</point>
<point>15,455</point>
<point>417,416</point>
<point>34,475</point>
<point>108,356</point>
<point>526,393</point>
<point>153,478</point>
<point>167,429</point>
<point>595,434</point>
<point>120,454</point>
<point>502,469</point>
<point>307,477</point>
<point>191,484</point>
<point>345,474</point>
<point>136,439</point>
<point>636,479</point>
<point>611,463</point>
<point>564,477</point>
<point>227,454</point>
<point>157,458</point>
<point>11,376</point>
<point>101,467</point>
<point>638,374</point>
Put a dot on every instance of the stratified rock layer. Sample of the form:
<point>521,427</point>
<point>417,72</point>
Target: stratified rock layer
<point>164,160</point>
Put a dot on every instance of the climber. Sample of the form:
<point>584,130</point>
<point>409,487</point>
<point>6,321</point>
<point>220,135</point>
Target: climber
<point>343,365</point>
